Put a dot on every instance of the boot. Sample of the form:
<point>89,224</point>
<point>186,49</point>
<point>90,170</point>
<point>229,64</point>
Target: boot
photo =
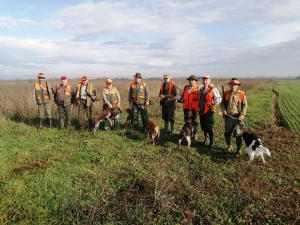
<point>68,123</point>
<point>166,127</point>
<point>62,123</point>
<point>117,124</point>
<point>206,139</point>
<point>106,124</point>
<point>50,123</point>
<point>172,127</point>
<point>239,142</point>
<point>41,124</point>
<point>211,141</point>
<point>228,142</point>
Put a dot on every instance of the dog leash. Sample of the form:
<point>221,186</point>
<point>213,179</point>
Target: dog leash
<point>242,123</point>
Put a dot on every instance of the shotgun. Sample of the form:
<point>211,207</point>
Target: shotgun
<point>89,95</point>
<point>54,94</point>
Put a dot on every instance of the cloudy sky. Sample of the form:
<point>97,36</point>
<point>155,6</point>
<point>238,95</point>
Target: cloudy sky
<point>110,38</point>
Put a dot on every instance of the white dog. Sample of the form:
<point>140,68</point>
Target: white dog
<point>254,146</point>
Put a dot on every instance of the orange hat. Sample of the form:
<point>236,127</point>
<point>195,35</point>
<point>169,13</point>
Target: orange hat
<point>206,77</point>
<point>234,81</point>
<point>108,81</point>
<point>84,78</point>
<point>63,78</point>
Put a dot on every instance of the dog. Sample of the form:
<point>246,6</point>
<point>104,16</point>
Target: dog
<point>109,113</point>
<point>187,130</point>
<point>153,130</point>
<point>254,146</point>
<point>128,119</point>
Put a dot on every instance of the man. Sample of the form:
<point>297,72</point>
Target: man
<point>111,99</point>
<point>189,97</point>
<point>42,99</point>
<point>234,109</point>
<point>138,98</point>
<point>65,98</point>
<point>209,98</point>
<point>167,94</point>
<point>85,96</point>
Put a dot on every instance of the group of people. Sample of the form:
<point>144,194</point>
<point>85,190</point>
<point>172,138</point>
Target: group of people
<point>199,99</point>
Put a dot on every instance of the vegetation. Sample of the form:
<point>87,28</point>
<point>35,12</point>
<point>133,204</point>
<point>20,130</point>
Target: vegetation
<point>288,100</point>
<point>117,177</point>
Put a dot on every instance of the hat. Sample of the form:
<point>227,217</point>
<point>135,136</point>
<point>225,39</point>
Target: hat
<point>192,77</point>
<point>234,81</point>
<point>63,78</point>
<point>206,77</point>
<point>166,75</point>
<point>41,75</point>
<point>108,81</point>
<point>84,78</point>
<point>138,75</point>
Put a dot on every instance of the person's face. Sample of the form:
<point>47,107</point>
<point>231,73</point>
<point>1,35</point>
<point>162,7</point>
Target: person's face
<point>85,82</point>
<point>205,82</point>
<point>41,80</point>
<point>192,82</point>
<point>167,80</point>
<point>234,87</point>
<point>64,82</point>
<point>137,79</point>
<point>109,86</point>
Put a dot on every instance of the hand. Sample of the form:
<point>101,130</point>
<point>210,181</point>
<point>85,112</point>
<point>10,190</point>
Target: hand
<point>162,96</point>
<point>241,118</point>
<point>130,105</point>
<point>208,103</point>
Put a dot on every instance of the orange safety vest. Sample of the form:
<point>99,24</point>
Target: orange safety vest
<point>140,98</point>
<point>90,86</point>
<point>111,97</point>
<point>208,98</point>
<point>169,91</point>
<point>41,96</point>
<point>191,100</point>
<point>68,91</point>
<point>241,98</point>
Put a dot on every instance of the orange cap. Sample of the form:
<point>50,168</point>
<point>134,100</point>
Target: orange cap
<point>108,81</point>
<point>84,78</point>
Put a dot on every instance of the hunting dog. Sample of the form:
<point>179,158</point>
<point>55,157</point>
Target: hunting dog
<point>109,113</point>
<point>153,130</point>
<point>254,146</point>
<point>128,119</point>
<point>187,130</point>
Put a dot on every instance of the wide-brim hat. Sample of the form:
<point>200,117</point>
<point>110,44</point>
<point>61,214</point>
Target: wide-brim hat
<point>192,77</point>
<point>138,75</point>
<point>41,75</point>
<point>235,81</point>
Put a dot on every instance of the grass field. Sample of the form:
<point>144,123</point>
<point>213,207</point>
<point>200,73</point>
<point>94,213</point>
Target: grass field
<point>118,177</point>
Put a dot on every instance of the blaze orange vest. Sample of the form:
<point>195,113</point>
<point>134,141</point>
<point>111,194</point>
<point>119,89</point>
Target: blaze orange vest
<point>112,96</point>
<point>191,100</point>
<point>139,97</point>
<point>68,95</point>
<point>41,96</point>
<point>169,91</point>
<point>208,98</point>
<point>241,98</point>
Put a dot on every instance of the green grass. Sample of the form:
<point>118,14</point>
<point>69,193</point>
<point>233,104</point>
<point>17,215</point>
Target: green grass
<point>117,177</point>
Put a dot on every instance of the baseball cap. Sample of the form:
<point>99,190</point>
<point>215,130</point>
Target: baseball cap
<point>41,75</point>
<point>84,78</point>
<point>235,81</point>
<point>63,78</point>
<point>206,77</point>
<point>108,81</point>
<point>166,75</point>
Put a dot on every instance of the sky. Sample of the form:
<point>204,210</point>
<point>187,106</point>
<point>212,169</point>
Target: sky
<point>116,39</point>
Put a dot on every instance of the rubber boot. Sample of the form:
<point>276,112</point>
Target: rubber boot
<point>117,124</point>
<point>172,128</point>
<point>50,123</point>
<point>239,143</point>
<point>228,142</point>
<point>68,121</point>
<point>106,124</point>
<point>41,124</point>
<point>166,127</point>
<point>62,123</point>
<point>206,139</point>
<point>211,141</point>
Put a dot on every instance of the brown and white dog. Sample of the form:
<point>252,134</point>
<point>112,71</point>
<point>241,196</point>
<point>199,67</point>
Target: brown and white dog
<point>153,130</point>
<point>109,113</point>
<point>187,130</point>
<point>128,119</point>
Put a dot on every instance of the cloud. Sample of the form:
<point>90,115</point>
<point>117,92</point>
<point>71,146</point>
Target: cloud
<point>9,22</point>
